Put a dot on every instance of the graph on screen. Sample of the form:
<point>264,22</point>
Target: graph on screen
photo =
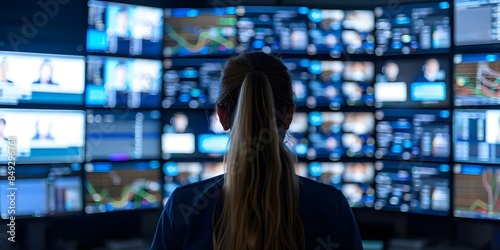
<point>118,189</point>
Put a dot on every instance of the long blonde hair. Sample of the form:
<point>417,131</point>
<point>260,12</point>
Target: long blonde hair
<point>260,196</point>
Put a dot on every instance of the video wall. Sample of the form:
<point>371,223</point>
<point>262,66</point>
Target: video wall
<point>391,109</point>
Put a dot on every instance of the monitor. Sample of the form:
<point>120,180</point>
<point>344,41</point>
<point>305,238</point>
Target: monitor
<point>191,83</point>
<point>476,22</point>
<point>413,135</point>
<point>122,135</point>
<point>354,179</point>
<point>272,29</point>
<point>413,28</point>
<point>412,83</point>
<point>126,30</point>
<point>41,190</point>
<point>28,78</point>
<point>121,186</point>
<point>42,136</point>
<point>477,78</point>
<point>194,32</point>
<point>476,194</point>
<point>413,187</point>
<point>123,83</point>
<point>476,136</point>
<point>333,84</point>
<point>337,31</point>
<point>193,134</point>
<point>333,135</point>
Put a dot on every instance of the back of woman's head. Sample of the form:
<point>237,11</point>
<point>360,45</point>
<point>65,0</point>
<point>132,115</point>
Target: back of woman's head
<point>260,195</point>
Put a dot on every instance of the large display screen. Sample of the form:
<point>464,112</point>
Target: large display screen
<point>111,187</point>
<point>413,28</point>
<point>121,135</point>
<point>123,82</point>
<point>412,83</point>
<point>476,22</point>
<point>477,80</point>
<point>191,83</point>
<point>124,29</point>
<point>413,187</point>
<point>192,32</point>
<point>476,191</point>
<point>42,136</point>
<point>41,191</point>
<point>476,136</point>
<point>332,84</point>
<point>337,31</point>
<point>334,135</point>
<point>272,29</point>
<point>413,135</point>
<point>355,179</point>
<point>193,133</point>
<point>27,78</point>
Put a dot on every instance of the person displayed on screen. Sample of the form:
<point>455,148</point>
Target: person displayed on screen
<point>45,73</point>
<point>121,27</point>
<point>179,124</point>
<point>3,124</point>
<point>260,202</point>
<point>431,72</point>
<point>4,70</point>
<point>390,72</point>
<point>358,172</point>
<point>356,72</point>
<point>43,130</point>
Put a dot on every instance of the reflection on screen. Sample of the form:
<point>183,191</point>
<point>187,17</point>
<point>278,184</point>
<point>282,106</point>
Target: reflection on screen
<point>354,179</point>
<point>193,133</point>
<point>476,136</point>
<point>475,191</point>
<point>124,29</point>
<point>123,83</point>
<point>121,135</point>
<point>477,77</point>
<point>111,187</point>
<point>416,28</point>
<point>412,83</point>
<point>272,29</point>
<point>413,187</point>
<point>335,134</point>
<point>42,136</point>
<point>331,84</point>
<point>476,22</point>
<point>191,83</point>
<point>45,190</point>
<point>41,79</point>
<point>199,31</point>
<point>416,135</point>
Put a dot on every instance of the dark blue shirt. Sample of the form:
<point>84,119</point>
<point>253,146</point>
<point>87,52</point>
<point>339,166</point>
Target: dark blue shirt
<point>186,221</point>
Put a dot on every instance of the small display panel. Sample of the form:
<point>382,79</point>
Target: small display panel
<point>119,186</point>
<point>123,29</point>
<point>194,32</point>
<point>123,83</point>
<point>413,135</point>
<point>121,135</point>
<point>413,187</point>
<point>476,22</point>
<point>27,78</point>
<point>476,136</point>
<point>413,28</point>
<point>41,190</point>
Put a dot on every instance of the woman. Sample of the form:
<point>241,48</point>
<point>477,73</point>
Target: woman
<point>260,203</point>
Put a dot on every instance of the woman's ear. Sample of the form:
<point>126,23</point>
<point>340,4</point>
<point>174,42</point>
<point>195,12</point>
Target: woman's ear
<point>289,116</point>
<point>223,119</point>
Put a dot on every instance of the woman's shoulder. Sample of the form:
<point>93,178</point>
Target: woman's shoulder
<point>192,191</point>
<point>307,184</point>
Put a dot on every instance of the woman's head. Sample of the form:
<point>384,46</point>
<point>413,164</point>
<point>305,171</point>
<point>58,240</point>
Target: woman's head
<point>238,68</point>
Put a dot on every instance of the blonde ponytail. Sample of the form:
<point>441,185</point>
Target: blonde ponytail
<point>260,196</point>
